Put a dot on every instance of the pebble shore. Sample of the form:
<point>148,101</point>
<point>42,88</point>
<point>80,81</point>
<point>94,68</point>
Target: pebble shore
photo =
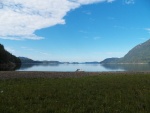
<point>36,74</point>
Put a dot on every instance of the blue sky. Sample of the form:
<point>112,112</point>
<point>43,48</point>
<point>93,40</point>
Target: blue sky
<point>73,30</point>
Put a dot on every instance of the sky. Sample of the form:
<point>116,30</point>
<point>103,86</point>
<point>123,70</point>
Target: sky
<point>73,30</point>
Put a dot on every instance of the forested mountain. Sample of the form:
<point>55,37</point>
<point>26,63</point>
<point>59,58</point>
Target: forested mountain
<point>139,54</point>
<point>7,60</point>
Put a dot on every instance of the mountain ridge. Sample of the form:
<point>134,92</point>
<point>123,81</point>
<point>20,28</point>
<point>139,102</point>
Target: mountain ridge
<point>138,54</point>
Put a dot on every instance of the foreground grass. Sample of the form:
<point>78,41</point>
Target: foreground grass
<point>91,94</point>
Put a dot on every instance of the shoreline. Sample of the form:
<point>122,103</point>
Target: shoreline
<point>40,74</point>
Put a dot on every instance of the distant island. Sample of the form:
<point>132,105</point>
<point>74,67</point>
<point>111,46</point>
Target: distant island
<point>139,54</point>
<point>8,61</point>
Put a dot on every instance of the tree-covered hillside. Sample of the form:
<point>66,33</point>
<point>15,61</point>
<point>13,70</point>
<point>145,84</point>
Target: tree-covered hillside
<point>7,60</point>
<point>139,54</point>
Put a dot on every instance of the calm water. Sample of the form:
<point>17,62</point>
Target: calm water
<point>85,67</point>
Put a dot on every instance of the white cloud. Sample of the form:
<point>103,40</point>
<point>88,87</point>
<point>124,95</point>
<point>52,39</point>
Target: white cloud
<point>129,1</point>
<point>21,18</point>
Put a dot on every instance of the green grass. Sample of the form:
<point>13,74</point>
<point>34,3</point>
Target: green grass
<point>91,94</point>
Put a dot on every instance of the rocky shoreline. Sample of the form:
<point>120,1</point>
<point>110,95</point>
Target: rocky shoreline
<point>36,74</point>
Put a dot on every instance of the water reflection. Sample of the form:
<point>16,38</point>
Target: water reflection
<point>128,67</point>
<point>35,65</point>
<point>85,67</point>
<point>9,67</point>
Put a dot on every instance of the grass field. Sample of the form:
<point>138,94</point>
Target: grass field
<point>88,94</point>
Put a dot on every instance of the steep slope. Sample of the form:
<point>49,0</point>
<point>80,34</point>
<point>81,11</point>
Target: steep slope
<point>7,60</point>
<point>139,54</point>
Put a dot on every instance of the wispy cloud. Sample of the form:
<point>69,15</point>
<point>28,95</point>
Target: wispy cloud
<point>119,27</point>
<point>129,2</point>
<point>35,51</point>
<point>33,37</point>
<point>110,1</point>
<point>21,18</point>
<point>111,18</point>
<point>10,49</point>
<point>87,12</point>
<point>109,54</point>
<point>147,29</point>
<point>97,38</point>
<point>115,53</point>
<point>143,38</point>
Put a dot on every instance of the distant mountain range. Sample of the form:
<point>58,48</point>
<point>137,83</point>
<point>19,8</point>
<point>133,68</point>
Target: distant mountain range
<point>139,54</point>
<point>25,60</point>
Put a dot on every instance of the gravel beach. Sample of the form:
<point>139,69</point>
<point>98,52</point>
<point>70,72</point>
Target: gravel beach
<point>36,74</point>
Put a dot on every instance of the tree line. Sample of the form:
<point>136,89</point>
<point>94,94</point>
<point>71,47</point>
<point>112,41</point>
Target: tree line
<point>7,58</point>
